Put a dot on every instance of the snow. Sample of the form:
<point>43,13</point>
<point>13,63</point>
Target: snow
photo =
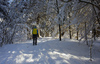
<point>49,51</point>
<point>10,1</point>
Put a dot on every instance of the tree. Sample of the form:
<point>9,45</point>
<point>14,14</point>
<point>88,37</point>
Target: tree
<point>4,21</point>
<point>80,14</point>
<point>58,20</point>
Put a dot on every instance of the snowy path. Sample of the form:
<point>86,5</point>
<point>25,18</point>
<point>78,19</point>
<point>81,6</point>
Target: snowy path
<point>48,51</point>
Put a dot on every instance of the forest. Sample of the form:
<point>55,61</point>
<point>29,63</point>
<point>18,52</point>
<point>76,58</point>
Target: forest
<point>68,31</point>
<point>73,19</point>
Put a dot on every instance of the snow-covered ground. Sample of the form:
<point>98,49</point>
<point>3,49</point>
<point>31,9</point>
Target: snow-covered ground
<point>49,51</point>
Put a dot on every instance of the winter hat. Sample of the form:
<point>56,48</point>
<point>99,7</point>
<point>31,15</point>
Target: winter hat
<point>34,26</point>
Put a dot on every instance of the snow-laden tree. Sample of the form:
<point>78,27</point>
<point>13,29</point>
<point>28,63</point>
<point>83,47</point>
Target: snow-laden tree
<point>72,18</point>
<point>77,15</point>
<point>84,13</point>
<point>14,15</point>
<point>55,16</point>
<point>25,13</point>
<point>4,22</point>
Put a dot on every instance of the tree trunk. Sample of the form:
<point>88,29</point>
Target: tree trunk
<point>59,32</point>
<point>86,34</point>
<point>94,33</point>
<point>94,30</point>
<point>58,20</point>
<point>70,31</point>
<point>77,33</point>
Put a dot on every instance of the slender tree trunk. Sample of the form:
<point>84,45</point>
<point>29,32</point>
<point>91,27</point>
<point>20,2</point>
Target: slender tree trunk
<point>58,20</point>
<point>59,32</point>
<point>94,30</point>
<point>77,33</point>
<point>91,45</point>
<point>94,33</point>
<point>70,31</point>
<point>86,34</point>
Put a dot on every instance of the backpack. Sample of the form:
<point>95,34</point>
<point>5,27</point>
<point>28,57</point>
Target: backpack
<point>34,31</point>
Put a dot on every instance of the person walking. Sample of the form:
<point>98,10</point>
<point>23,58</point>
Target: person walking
<point>35,34</point>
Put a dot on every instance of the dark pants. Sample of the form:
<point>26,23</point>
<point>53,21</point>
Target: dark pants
<point>34,39</point>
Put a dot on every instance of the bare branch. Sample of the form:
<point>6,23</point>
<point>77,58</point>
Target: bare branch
<point>66,1</point>
<point>98,7</point>
<point>90,3</point>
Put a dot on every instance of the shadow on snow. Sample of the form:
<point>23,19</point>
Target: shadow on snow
<point>48,51</point>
